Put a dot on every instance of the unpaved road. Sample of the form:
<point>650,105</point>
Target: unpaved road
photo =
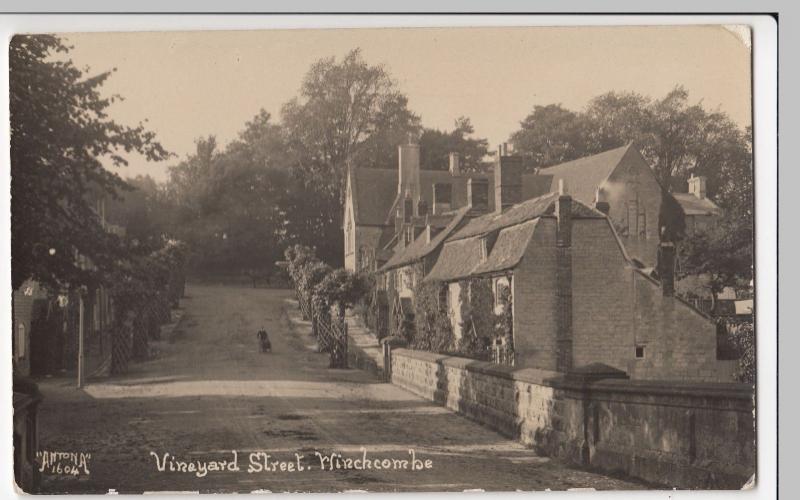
<point>210,392</point>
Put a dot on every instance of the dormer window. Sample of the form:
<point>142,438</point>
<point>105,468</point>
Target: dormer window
<point>484,249</point>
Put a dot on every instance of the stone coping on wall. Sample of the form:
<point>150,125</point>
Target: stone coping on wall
<point>705,390</point>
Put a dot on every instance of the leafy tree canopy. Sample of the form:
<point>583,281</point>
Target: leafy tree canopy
<point>436,146</point>
<point>60,135</point>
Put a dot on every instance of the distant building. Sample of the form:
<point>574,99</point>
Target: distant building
<point>700,212</point>
<point>380,202</point>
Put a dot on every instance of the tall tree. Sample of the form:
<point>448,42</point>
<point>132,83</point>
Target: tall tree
<point>231,203</point>
<point>60,132</point>
<point>550,135</point>
<point>349,113</point>
<point>436,145</point>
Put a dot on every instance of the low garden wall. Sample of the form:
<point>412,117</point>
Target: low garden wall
<point>683,435</point>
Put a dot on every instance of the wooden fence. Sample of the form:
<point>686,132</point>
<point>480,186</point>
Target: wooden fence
<point>330,332</point>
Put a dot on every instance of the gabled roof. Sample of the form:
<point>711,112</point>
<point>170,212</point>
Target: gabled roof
<point>521,212</point>
<point>582,176</point>
<point>461,254</point>
<point>462,258</point>
<point>692,205</point>
<point>421,247</point>
<point>509,248</point>
<point>373,191</point>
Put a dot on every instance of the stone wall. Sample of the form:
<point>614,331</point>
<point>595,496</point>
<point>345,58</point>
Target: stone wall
<point>682,435</point>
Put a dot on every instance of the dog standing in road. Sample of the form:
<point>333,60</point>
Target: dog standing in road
<point>263,340</point>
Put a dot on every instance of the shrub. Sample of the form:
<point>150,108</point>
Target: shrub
<point>742,336</point>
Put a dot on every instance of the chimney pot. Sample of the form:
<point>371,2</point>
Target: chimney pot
<point>697,186</point>
<point>455,168</point>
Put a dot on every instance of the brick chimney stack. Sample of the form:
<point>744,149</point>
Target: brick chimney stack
<point>442,197</point>
<point>478,194</point>
<point>666,268</point>
<point>564,347</point>
<point>507,180</point>
<point>408,172</point>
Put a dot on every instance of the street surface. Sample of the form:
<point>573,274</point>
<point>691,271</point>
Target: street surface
<point>210,392</point>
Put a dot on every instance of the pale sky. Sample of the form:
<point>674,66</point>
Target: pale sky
<point>191,84</point>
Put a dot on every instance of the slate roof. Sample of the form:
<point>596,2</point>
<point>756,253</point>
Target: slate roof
<point>692,205</point>
<point>581,177</point>
<point>456,260</point>
<point>521,212</point>
<point>508,249</point>
<point>461,254</point>
<point>420,247</point>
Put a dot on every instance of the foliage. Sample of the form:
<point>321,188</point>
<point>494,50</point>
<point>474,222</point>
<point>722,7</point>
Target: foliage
<point>436,146</point>
<point>477,317</point>
<point>550,135</point>
<point>297,256</point>
<point>60,133</point>
<point>677,139</point>
<point>432,328</point>
<point>348,113</point>
<point>143,211</point>
<point>144,289</point>
<point>504,325</point>
<point>233,205</point>
<point>342,288</point>
<point>740,335</point>
<point>724,252</point>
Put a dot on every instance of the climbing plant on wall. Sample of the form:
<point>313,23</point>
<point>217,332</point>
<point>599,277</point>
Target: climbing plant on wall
<point>477,317</point>
<point>433,331</point>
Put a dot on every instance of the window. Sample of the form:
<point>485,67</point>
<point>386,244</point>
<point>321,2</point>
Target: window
<point>642,225</point>
<point>639,352</point>
<point>444,297</point>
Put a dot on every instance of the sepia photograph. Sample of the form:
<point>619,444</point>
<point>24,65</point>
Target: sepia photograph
<point>383,259</point>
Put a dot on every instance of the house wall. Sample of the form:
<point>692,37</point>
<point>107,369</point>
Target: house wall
<point>23,300</point>
<point>681,435</point>
<point>634,198</point>
<point>535,300</point>
<point>454,307</point>
<point>365,238</point>
<point>616,309</point>
<point>699,223</point>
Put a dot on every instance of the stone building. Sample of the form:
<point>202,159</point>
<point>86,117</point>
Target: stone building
<point>700,212</point>
<point>578,297</point>
<point>45,322</point>
<point>580,246</point>
<point>385,209</point>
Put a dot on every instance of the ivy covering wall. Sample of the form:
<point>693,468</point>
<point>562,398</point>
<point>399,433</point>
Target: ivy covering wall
<point>425,321</point>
